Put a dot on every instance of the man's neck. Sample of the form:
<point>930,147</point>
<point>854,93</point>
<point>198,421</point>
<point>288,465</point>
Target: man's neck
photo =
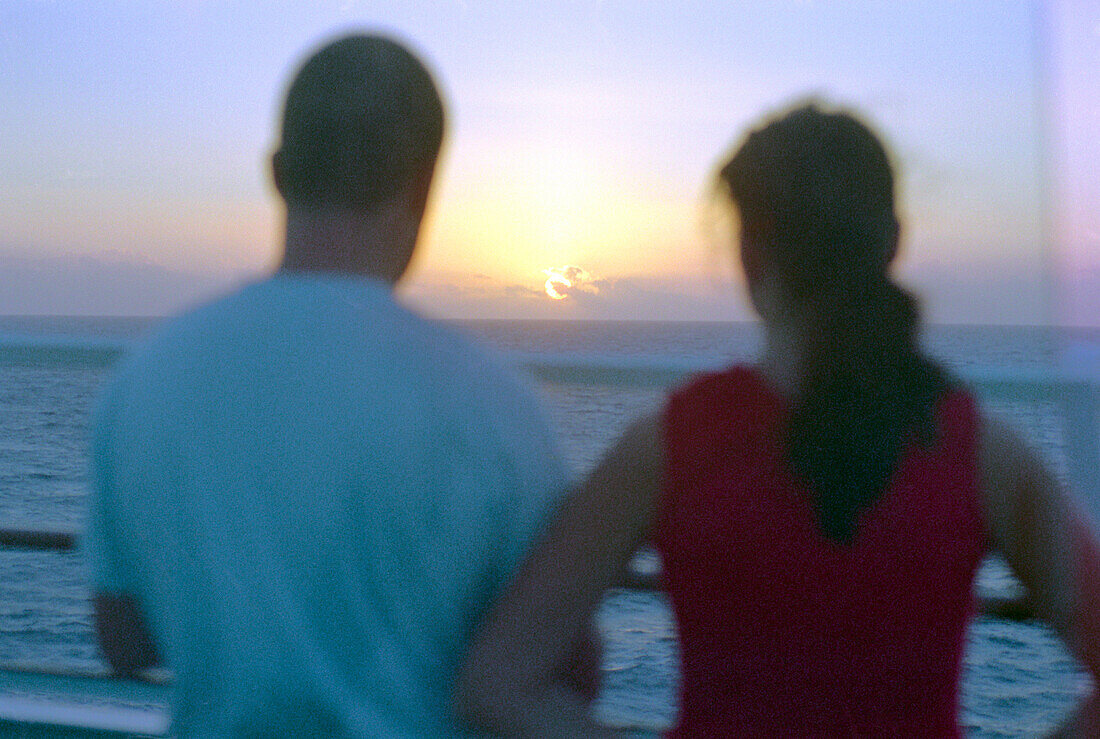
<point>377,243</point>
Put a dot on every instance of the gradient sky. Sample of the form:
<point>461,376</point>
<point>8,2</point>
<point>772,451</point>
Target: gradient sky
<point>135,137</point>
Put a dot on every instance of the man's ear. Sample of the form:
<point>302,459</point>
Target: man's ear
<point>420,187</point>
<point>277,170</point>
<point>749,251</point>
<point>893,238</point>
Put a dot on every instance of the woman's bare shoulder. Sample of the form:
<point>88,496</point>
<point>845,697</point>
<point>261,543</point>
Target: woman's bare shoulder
<point>1004,462</point>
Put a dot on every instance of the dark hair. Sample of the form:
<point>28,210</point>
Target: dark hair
<point>361,118</point>
<point>819,189</point>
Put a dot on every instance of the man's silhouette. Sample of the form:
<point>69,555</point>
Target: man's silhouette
<point>305,496</point>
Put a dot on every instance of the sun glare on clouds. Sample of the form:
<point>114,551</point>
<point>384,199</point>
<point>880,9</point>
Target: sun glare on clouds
<point>569,280</point>
<point>554,280</point>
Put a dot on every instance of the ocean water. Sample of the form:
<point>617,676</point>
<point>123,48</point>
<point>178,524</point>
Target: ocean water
<point>1019,681</point>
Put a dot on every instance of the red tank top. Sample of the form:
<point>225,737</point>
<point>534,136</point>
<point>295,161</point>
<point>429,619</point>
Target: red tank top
<point>785,632</point>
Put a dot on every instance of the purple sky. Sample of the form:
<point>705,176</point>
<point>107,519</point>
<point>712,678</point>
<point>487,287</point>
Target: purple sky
<point>133,165</point>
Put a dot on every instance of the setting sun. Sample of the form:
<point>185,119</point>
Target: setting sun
<point>570,280</point>
<point>553,281</point>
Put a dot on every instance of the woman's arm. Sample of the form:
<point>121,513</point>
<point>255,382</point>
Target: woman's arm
<point>123,635</point>
<point>1050,546</point>
<point>514,680</point>
<point>1085,627</point>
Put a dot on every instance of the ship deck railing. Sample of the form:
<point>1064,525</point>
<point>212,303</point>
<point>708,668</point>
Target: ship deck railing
<point>40,701</point>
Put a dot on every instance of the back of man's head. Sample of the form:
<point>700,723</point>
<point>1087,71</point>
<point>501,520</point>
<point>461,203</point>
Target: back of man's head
<point>362,117</point>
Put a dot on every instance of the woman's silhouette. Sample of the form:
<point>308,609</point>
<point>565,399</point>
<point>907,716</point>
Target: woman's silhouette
<point>821,514</point>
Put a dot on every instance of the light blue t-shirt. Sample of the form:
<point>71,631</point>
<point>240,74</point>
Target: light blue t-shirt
<point>314,494</point>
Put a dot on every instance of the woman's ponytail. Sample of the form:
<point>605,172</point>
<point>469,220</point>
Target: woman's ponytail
<point>866,392</point>
<point>817,188</point>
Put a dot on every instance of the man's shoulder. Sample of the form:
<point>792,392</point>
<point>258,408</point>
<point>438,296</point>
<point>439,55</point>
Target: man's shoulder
<point>471,381</point>
<point>344,334</point>
<point>453,351</point>
<point>176,339</point>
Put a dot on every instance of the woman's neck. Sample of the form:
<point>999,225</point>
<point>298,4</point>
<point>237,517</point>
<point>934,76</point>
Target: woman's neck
<point>781,361</point>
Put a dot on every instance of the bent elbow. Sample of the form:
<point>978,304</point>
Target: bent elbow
<point>465,705</point>
<point>123,635</point>
<point>481,698</point>
<point>468,699</point>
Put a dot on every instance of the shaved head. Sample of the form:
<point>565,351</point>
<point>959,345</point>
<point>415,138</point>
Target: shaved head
<point>362,118</point>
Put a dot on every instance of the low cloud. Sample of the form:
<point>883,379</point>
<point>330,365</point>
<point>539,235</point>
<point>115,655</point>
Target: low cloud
<point>585,298</point>
<point>89,286</point>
